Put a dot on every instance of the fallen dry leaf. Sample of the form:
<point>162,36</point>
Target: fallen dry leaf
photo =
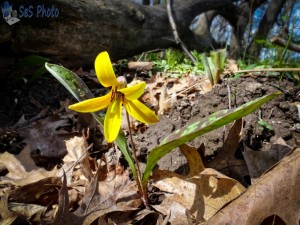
<point>259,162</point>
<point>6,215</point>
<point>42,192</point>
<point>193,159</point>
<point>17,175</point>
<point>163,92</point>
<point>63,215</point>
<point>226,160</point>
<point>201,195</point>
<point>275,193</point>
<point>45,140</point>
<point>77,149</point>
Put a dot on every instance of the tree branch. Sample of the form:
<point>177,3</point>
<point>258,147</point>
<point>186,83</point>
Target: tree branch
<point>283,43</point>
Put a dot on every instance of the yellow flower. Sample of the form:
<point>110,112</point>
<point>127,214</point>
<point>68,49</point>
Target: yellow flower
<point>118,95</point>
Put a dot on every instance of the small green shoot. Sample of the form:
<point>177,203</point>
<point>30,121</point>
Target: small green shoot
<point>214,65</point>
<point>263,125</point>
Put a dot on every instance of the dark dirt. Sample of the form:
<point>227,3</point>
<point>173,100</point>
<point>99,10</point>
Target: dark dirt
<point>28,100</point>
<point>281,113</point>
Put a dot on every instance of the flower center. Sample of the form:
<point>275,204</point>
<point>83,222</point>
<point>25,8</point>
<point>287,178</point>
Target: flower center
<point>122,84</point>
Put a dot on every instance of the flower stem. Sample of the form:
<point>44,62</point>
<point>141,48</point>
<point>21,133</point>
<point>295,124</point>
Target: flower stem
<point>141,187</point>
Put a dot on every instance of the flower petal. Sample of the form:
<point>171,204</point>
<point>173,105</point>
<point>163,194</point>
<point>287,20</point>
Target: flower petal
<point>133,92</point>
<point>139,111</point>
<point>93,104</point>
<point>112,121</point>
<point>104,70</point>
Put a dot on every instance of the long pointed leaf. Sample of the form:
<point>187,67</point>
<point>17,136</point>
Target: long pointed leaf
<point>199,128</point>
<point>81,92</point>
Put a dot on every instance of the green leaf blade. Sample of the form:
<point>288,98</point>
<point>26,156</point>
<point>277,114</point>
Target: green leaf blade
<point>199,128</point>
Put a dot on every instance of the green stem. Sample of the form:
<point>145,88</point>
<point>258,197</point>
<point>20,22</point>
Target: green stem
<point>142,189</point>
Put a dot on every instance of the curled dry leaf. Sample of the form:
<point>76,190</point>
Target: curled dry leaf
<point>77,149</point>
<point>193,159</point>
<point>63,214</point>
<point>226,160</point>
<point>17,175</point>
<point>113,197</point>
<point>45,141</point>
<point>201,195</point>
<point>275,193</point>
<point>42,192</point>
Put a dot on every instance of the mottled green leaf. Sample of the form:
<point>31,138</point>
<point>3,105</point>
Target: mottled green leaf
<point>196,129</point>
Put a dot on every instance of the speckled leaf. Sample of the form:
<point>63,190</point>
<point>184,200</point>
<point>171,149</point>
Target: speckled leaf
<point>81,92</point>
<point>196,129</point>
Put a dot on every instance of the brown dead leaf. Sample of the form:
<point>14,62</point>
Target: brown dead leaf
<point>63,215</point>
<point>275,193</point>
<point>193,159</point>
<point>226,160</point>
<point>45,140</point>
<point>163,92</point>
<point>17,175</point>
<point>15,169</point>
<point>231,66</point>
<point>31,212</point>
<point>6,215</point>
<point>114,193</point>
<point>259,162</point>
<point>42,192</point>
<point>77,149</point>
<point>200,195</point>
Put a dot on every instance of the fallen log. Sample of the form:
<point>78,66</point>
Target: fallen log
<point>74,32</point>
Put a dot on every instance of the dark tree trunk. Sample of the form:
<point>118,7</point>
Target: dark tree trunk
<point>265,26</point>
<point>247,9</point>
<point>85,28</point>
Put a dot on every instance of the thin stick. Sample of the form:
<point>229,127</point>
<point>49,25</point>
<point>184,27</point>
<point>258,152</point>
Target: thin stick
<point>175,33</point>
<point>270,70</point>
<point>182,92</point>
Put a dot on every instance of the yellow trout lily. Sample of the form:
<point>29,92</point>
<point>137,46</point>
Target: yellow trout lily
<point>118,95</point>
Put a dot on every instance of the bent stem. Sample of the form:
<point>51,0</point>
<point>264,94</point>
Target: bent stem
<point>142,189</point>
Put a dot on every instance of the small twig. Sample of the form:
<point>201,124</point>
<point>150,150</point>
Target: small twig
<point>75,163</point>
<point>155,50</point>
<point>175,33</point>
<point>270,70</point>
<point>270,114</point>
<point>181,92</point>
<point>229,97</point>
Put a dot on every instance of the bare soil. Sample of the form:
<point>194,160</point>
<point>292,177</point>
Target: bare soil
<point>27,101</point>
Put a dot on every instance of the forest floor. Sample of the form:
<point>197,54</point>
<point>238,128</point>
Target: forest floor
<point>35,122</point>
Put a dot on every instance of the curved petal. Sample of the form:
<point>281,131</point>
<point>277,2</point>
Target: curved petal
<point>104,70</point>
<point>112,121</point>
<point>93,104</point>
<point>139,111</point>
<point>133,92</point>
